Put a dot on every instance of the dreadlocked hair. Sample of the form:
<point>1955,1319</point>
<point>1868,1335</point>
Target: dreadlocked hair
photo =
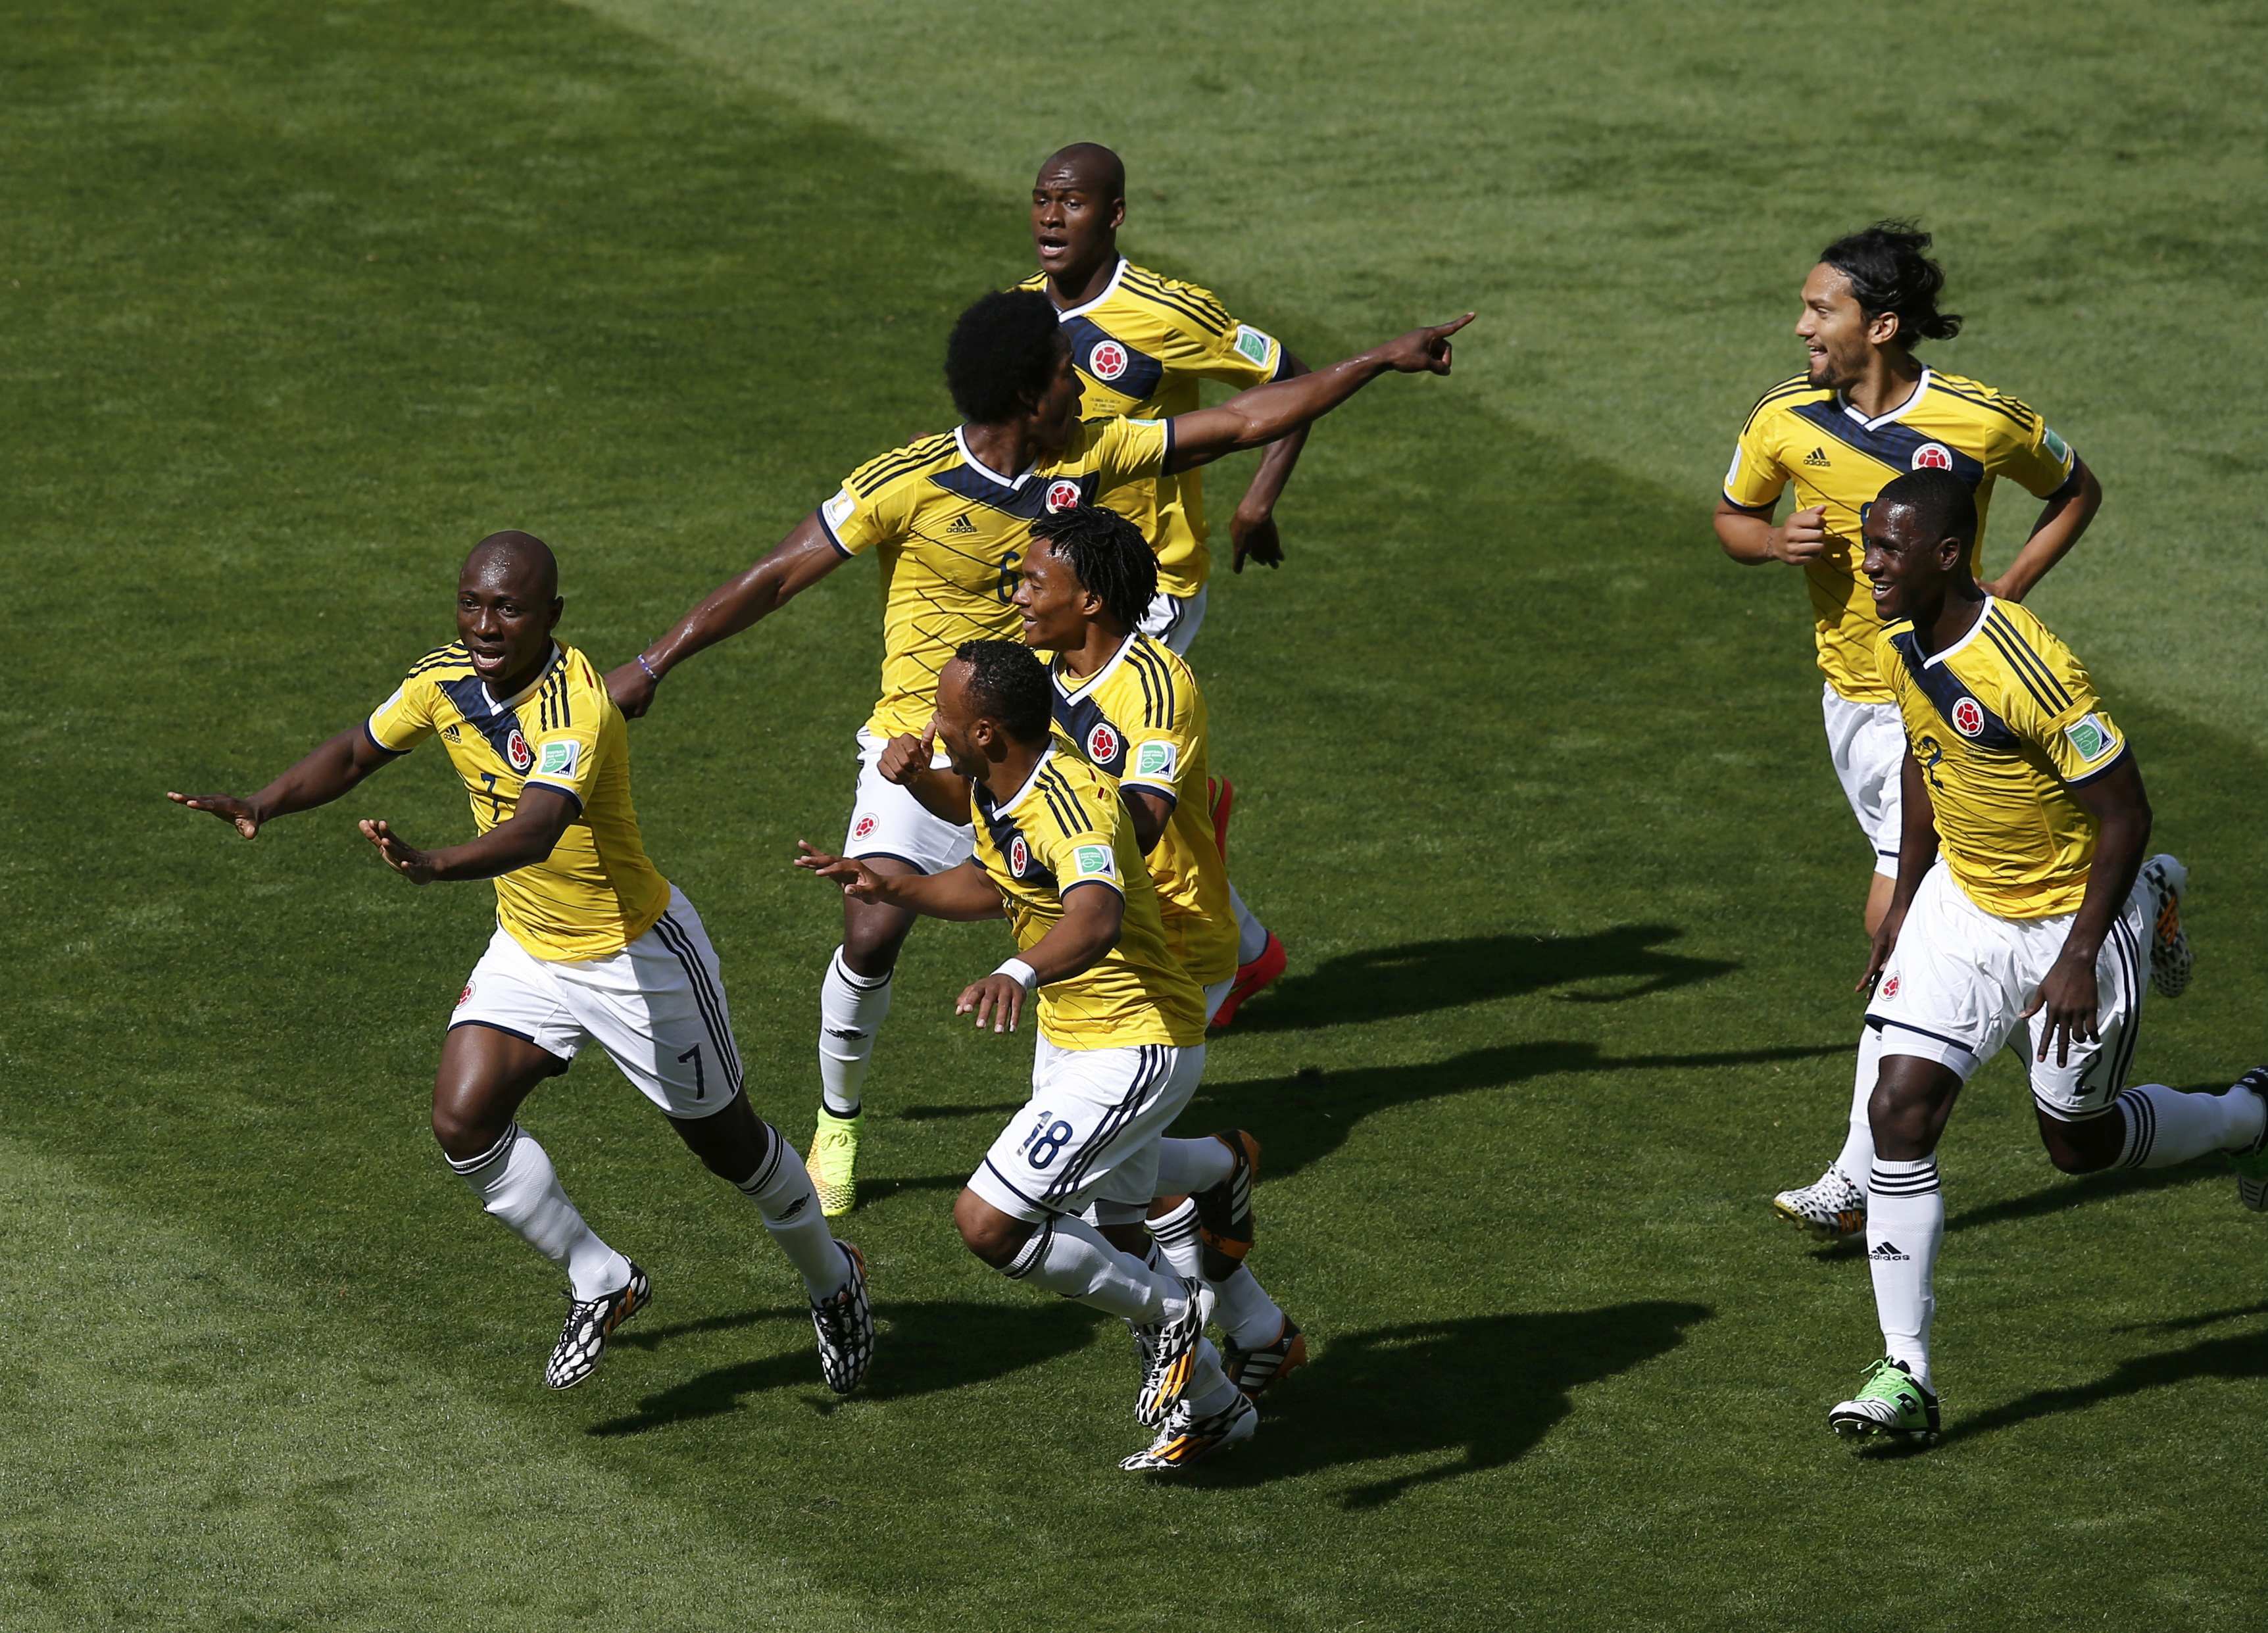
<point>1108,555</point>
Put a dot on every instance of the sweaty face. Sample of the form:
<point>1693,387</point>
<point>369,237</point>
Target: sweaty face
<point>503,623</point>
<point>1074,221</point>
<point>1052,600</point>
<point>1903,565</point>
<point>1833,328</point>
<point>956,723</point>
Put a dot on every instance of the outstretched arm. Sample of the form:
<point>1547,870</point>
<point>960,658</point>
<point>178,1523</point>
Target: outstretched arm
<point>1252,419</point>
<point>327,771</point>
<point>529,835</point>
<point>797,563</point>
<point>1252,530</point>
<point>2065,515</point>
<point>959,893</point>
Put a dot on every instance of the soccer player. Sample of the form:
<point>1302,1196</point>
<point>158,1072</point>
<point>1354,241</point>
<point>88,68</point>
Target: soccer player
<point>1121,1045</point>
<point>2018,905</point>
<point>592,944</point>
<point>1133,709</point>
<point>1140,342</point>
<point>949,518</point>
<point>1866,409</point>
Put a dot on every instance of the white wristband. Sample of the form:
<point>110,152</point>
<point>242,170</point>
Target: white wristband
<point>1020,972</point>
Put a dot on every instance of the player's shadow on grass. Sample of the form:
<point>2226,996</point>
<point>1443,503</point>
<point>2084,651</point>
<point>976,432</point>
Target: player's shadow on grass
<point>1418,977</point>
<point>1303,1118</point>
<point>2081,1190</point>
<point>920,1348</point>
<point>1466,1396</point>
<point>2236,1358</point>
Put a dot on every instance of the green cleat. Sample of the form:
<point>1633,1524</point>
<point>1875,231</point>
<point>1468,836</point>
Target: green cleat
<point>1890,1404</point>
<point>2252,1165</point>
<point>833,1161</point>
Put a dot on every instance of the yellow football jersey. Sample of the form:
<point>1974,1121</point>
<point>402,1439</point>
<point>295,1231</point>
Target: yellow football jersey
<point>1841,459</point>
<point>951,533</point>
<point>596,892</point>
<point>2004,724</point>
<point>1063,829</point>
<point>1140,347</point>
<point>1141,720</point>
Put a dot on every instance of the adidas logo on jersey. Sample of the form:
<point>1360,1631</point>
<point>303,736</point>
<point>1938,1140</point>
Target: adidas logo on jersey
<point>1817,460</point>
<point>959,526</point>
<point>1889,1251</point>
<point>448,733</point>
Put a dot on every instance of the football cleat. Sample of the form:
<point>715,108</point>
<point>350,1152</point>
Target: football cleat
<point>2252,1166</point>
<point>1221,800</point>
<point>1255,1371</point>
<point>1830,1208</point>
<point>2171,965</point>
<point>1187,1439</point>
<point>1224,1210</point>
<point>844,1323</point>
<point>1251,979</point>
<point>590,1323</point>
<point>1172,1348</point>
<point>1890,1404</point>
<point>833,1162</point>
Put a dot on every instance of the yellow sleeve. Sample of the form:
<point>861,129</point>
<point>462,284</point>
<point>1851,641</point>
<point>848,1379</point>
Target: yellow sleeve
<point>1234,353</point>
<point>2025,448</point>
<point>855,525</point>
<point>1168,740</point>
<point>1126,451</point>
<point>1083,855</point>
<point>567,758</point>
<point>405,719</point>
<point>1756,478</point>
<point>2057,710</point>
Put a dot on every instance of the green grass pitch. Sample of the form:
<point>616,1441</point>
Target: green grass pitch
<point>296,300</point>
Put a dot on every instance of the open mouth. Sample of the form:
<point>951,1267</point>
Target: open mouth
<point>486,663</point>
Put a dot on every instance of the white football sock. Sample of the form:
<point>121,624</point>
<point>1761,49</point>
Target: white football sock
<point>851,1011</point>
<point>1905,1227</point>
<point>1208,1390</point>
<point>1071,1258</point>
<point>1251,934</point>
<point>1175,1234</point>
<point>516,1183</point>
<point>1245,1312</point>
<point>1189,1166</point>
<point>782,1192</point>
<point>2165,1126</point>
<point>1857,1158</point>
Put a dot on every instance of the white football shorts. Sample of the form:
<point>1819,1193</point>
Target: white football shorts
<point>1089,1133</point>
<point>657,1008</point>
<point>1959,978</point>
<point>1867,742</point>
<point>1174,622</point>
<point>886,821</point>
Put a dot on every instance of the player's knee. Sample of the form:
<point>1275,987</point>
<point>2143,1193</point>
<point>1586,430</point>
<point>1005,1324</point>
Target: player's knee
<point>992,1236</point>
<point>870,948</point>
<point>463,1125</point>
<point>1902,1120</point>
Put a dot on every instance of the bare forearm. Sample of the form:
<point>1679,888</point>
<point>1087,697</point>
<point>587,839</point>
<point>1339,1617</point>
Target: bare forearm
<point>325,773</point>
<point>961,894</point>
<point>1087,931</point>
<point>1280,459</point>
<point>1747,538</point>
<point>1917,834</point>
<point>2063,519</point>
<point>2120,841</point>
<point>725,612</point>
<point>941,793</point>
